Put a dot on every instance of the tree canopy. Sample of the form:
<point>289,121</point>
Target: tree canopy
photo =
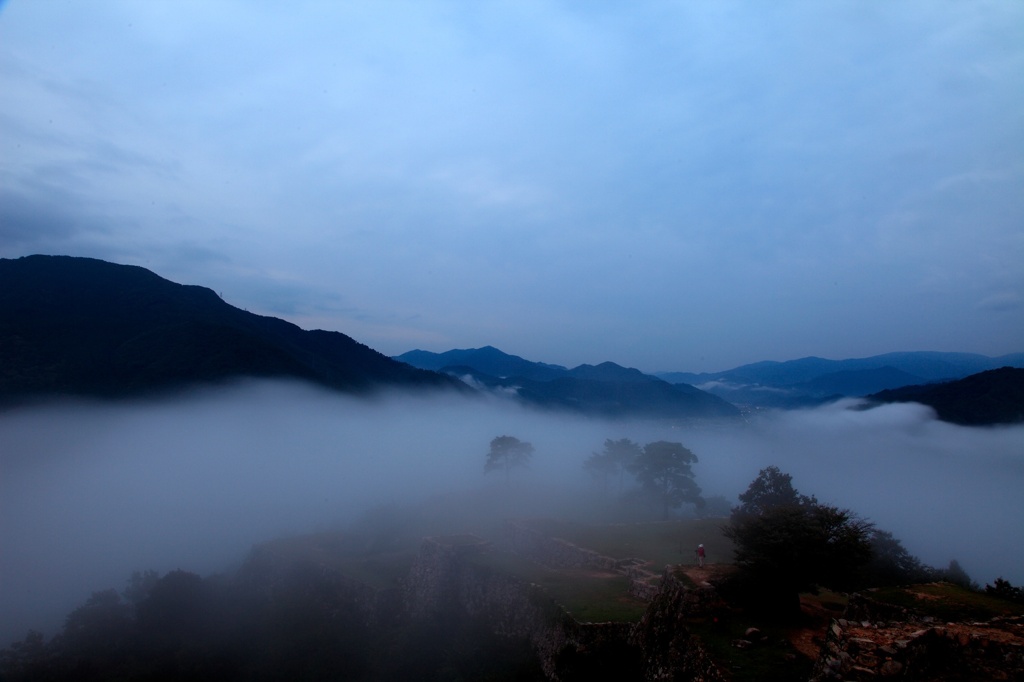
<point>664,469</point>
<point>787,543</point>
<point>771,489</point>
<point>613,461</point>
<point>506,453</point>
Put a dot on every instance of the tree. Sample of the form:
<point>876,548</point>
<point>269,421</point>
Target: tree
<point>507,452</point>
<point>891,564</point>
<point>663,469</point>
<point>958,576</point>
<point>98,631</point>
<point>1004,589</point>
<point>787,543</point>
<point>769,490</point>
<point>140,585</point>
<point>613,462</point>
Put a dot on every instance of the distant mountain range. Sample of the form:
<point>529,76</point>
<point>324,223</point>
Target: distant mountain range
<point>607,389</point>
<point>984,397</point>
<point>813,380</point>
<point>85,327</point>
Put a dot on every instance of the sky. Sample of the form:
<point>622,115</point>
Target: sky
<point>683,186</point>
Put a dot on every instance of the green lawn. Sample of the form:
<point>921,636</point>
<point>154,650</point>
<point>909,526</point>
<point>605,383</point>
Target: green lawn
<point>947,602</point>
<point>587,595</point>
<point>590,597</point>
<point>669,542</point>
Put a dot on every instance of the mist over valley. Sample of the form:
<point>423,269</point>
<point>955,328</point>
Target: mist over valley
<point>92,491</point>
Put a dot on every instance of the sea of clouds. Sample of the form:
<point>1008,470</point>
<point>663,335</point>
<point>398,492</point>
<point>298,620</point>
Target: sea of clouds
<point>90,492</point>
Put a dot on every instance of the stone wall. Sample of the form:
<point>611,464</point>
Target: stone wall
<point>920,649</point>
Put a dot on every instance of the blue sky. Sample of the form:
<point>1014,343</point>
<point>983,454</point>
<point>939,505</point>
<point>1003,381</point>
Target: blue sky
<point>668,185</point>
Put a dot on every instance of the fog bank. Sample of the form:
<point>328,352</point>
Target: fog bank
<point>89,493</point>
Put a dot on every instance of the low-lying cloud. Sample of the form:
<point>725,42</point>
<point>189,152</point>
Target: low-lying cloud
<point>91,492</point>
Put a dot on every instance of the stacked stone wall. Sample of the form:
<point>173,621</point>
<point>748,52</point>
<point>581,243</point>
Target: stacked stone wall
<point>909,650</point>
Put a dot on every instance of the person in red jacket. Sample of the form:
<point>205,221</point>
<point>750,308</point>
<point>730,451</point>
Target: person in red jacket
<point>700,556</point>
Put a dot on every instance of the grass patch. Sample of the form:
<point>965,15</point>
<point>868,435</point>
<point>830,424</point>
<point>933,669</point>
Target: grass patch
<point>590,597</point>
<point>947,602</point>
<point>669,542</point>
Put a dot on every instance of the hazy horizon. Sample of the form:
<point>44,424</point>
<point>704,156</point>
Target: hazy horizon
<point>91,492</point>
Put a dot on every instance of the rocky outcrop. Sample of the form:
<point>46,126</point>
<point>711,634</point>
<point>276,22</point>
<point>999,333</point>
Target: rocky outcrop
<point>910,648</point>
<point>669,651</point>
<point>445,576</point>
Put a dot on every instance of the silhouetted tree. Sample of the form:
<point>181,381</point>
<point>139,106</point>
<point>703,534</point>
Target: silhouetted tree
<point>612,462</point>
<point>174,613</point>
<point>663,469</point>
<point>769,490</point>
<point>891,564</point>
<point>101,623</point>
<point>507,452</point>
<point>958,576</point>
<point>140,585</point>
<point>787,543</point>
<point>1004,589</point>
<point>27,659</point>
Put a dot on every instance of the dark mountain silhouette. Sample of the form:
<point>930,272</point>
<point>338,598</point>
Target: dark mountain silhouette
<point>992,397</point>
<point>488,360</point>
<point>606,389</point>
<point>609,371</point>
<point>814,380</point>
<point>80,326</point>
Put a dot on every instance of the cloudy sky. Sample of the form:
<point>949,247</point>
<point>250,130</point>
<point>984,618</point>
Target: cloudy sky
<point>668,185</point>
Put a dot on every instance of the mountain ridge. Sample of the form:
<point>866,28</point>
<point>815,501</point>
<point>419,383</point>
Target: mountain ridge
<point>995,396</point>
<point>794,384</point>
<point>86,327</point>
<point>813,380</point>
<point>606,389</point>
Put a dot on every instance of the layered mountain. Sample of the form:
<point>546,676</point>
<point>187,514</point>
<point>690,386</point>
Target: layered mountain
<point>992,397</point>
<point>86,327</point>
<point>488,360</point>
<point>606,389</point>
<point>812,380</point>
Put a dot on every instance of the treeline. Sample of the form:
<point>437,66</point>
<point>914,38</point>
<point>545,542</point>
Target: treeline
<point>788,543</point>
<point>298,625</point>
<point>662,470</point>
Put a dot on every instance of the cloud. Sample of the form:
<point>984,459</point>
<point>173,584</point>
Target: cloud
<point>1005,301</point>
<point>595,164</point>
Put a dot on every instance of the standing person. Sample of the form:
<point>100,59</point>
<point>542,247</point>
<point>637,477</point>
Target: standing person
<point>700,556</point>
